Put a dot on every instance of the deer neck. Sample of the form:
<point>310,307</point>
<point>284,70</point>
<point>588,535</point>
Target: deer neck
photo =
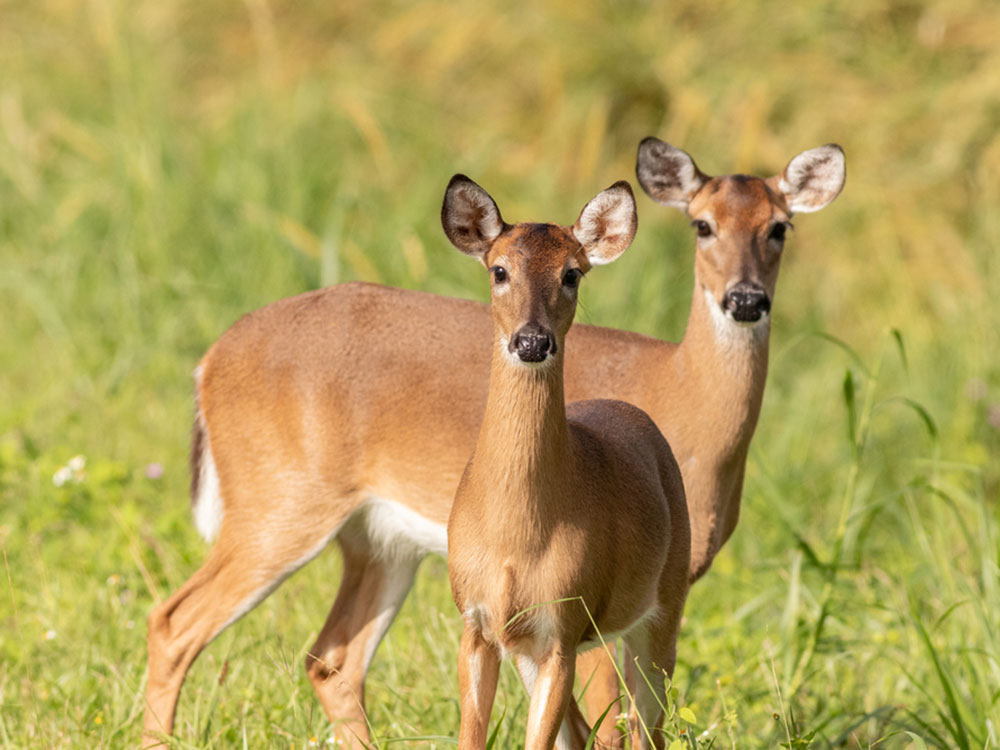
<point>728,363</point>
<point>523,447</point>
<point>727,367</point>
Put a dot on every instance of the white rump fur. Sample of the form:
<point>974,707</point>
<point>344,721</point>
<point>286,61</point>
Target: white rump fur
<point>813,178</point>
<point>607,224</point>
<point>668,174</point>
<point>470,217</point>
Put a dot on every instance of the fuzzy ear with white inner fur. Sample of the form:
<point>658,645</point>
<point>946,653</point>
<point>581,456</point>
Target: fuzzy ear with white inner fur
<point>606,225</point>
<point>470,218</point>
<point>667,174</point>
<point>813,178</point>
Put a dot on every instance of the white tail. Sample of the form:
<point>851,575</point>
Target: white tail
<point>206,501</point>
<point>349,412</point>
<point>558,521</point>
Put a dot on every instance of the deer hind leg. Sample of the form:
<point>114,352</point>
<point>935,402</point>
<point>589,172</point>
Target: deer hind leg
<point>603,689</point>
<point>654,646</point>
<point>241,570</point>
<point>649,691</point>
<point>372,590</point>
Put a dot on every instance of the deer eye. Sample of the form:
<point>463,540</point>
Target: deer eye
<point>499,274</point>
<point>703,228</point>
<point>778,232</point>
<point>571,279</point>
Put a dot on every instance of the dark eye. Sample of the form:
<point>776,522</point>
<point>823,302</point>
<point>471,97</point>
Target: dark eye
<point>778,232</point>
<point>499,274</point>
<point>702,227</point>
<point>572,278</point>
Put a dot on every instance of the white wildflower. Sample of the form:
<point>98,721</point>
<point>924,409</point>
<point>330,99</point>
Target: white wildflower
<point>72,471</point>
<point>63,475</point>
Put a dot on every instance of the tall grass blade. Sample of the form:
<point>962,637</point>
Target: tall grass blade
<point>597,724</point>
<point>492,739</point>
<point>849,402</point>
<point>847,348</point>
<point>897,337</point>
<point>956,724</point>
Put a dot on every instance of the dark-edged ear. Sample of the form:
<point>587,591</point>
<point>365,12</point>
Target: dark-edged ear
<point>813,178</point>
<point>607,224</point>
<point>667,174</point>
<point>470,218</point>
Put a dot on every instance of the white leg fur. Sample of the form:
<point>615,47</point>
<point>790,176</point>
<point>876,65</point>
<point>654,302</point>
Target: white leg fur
<point>475,666</point>
<point>398,580</point>
<point>539,701</point>
<point>528,669</point>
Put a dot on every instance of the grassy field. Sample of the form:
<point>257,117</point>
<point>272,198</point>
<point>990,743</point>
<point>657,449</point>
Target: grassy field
<point>166,165</point>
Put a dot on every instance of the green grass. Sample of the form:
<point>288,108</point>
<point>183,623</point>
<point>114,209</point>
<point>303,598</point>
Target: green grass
<point>167,166</point>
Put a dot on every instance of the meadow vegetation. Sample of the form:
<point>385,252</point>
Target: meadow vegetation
<point>167,165</point>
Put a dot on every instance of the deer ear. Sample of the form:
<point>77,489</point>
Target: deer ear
<point>813,178</point>
<point>606,225</point>
<point>470,218</point>
<point>667,174</point>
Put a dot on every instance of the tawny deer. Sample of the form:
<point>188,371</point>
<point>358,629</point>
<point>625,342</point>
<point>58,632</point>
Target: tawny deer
<point>568,521</point>
<point>349,413</point>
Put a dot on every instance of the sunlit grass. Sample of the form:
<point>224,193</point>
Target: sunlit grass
<point>168,166</point>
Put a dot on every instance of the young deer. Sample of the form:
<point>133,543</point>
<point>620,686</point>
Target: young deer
<point>563,513</point>
<point>315,415</point>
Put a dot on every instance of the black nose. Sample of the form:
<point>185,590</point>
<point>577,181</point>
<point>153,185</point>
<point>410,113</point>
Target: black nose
<point>533,343</point>
<point>746,302</point>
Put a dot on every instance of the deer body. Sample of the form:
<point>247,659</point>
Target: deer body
<point>529,494</point>
<point>567,522</point>
<point>315,417</point>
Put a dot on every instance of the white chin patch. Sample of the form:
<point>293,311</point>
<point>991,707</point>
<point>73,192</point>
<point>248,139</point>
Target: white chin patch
<point>731,331</point>
<point>504,343</point>
<point>746,323</point>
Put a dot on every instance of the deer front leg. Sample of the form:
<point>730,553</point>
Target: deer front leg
<point>552,693</point>
<point>478,672</point>
<point>575,731</point>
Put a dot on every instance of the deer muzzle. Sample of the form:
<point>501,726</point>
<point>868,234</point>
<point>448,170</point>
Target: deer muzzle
<point>533,343</point>
<point>746,302</point>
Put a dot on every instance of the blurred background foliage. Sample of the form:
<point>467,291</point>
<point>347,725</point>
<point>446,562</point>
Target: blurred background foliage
<point>167,165</point>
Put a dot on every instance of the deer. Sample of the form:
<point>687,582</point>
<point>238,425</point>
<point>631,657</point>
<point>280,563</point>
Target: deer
<point>568,521</point>
<point>312,424</point>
